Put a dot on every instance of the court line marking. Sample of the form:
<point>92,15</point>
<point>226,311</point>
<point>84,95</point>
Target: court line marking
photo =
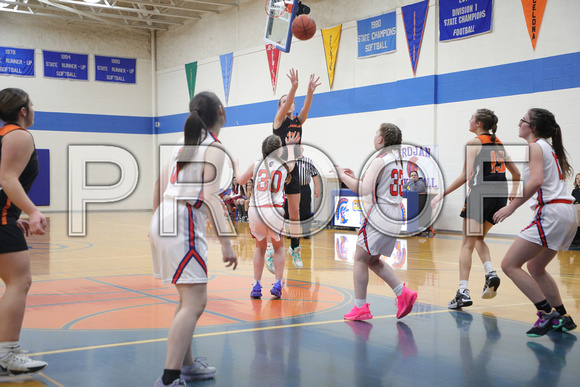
<point>248,330</point>
<point>51,379</point>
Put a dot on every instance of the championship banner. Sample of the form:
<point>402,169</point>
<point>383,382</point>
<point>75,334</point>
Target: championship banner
<point>464,18</point>
<point>227,62</point>
<point>191,74</point>
<point>414,19</point>
<point>66,65</point>
<point>534,12</point>
<point>110,69</point>
<point>377,35</point>
<point>331,40</point>
<point>273,62</point>
<point>17,61</point>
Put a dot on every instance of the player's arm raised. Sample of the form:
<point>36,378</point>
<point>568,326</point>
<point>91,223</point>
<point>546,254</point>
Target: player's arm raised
<point>312,85</point>
<point>283,110</point>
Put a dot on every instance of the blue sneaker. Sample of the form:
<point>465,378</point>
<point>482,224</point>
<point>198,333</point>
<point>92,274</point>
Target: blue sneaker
<point>256,291</point>
<point>276,291</point>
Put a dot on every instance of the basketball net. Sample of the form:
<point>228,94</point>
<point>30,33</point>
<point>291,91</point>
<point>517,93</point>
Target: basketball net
<point>275,8</point>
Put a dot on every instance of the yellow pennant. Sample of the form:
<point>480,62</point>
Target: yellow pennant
<point>331,39</point>
<point>534,12</point>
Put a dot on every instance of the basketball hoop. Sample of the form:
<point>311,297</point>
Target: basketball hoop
<point>275,8</point>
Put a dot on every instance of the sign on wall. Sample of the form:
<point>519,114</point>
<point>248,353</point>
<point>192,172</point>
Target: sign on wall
<point>377,35</point>
<point>464,18</point>
<point>110,69</point>
<point>66,65</point>
<point>17,61</point>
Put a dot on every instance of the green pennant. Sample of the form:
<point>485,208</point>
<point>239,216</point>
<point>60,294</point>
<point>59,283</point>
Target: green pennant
<point>191,74</point>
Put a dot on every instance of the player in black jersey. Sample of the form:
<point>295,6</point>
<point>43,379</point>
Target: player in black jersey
<point>18,169</point>
<point>484,171</point>
<point>289,129</point>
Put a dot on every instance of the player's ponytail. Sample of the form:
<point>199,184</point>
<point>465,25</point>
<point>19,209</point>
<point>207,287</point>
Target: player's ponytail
<point>203,114</point>
<point>489,121</point>
<point>269,147</point>
<point>392,137</point>
<point>544,125</point>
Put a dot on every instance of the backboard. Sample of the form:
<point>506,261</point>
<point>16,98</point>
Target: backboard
<point>279,17</point>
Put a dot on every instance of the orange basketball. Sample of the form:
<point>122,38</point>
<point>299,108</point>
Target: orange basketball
<point>303,27</point>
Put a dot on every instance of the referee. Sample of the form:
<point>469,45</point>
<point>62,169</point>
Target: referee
<point>306,172</point>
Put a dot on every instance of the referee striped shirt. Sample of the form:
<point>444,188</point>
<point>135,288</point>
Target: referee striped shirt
<point>306,170</point>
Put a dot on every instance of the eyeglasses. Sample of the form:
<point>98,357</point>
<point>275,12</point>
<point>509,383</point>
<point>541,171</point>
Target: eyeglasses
<point>527,122</point>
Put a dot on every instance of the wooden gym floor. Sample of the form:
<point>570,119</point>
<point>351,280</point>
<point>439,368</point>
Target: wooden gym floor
<point>99,318</point>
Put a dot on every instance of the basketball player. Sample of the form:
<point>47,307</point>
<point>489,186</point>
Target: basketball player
<point>554,224</point>
<point>382,185</point>
<point>182,259</point>
<point>289,129</point>
<point>484,171</point>
<point>266,212</point>
<point>18,170</point>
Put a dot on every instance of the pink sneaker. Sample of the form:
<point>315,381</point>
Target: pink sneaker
<point>405,302</point>
<point>359,314</point>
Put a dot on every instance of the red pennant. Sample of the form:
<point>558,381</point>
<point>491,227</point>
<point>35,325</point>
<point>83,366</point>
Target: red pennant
<point>273,62</point>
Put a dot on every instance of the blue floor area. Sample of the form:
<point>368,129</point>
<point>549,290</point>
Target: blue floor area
<point>430,347</point>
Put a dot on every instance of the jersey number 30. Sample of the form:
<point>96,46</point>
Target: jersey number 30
<point>263,180</point>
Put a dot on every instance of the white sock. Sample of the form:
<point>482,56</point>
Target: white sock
<point>398,290</point>
<point>488,267</point>
<point>359,302</point>
<point>257,282</point>
<point>462,285</point>
<point>7,347</point>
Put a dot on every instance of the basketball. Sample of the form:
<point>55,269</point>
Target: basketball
<point>303,27</point>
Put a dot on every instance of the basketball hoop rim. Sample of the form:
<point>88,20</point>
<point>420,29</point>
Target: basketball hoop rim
<point>275,12</point>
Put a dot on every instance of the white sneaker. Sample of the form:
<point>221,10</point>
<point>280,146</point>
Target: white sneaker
<point>199,370</point>
<point>296,259</point>
<point>17,363</point>
<point>269,259</point>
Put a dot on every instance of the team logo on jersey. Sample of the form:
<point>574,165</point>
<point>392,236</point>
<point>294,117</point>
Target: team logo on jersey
<point>341,211</point>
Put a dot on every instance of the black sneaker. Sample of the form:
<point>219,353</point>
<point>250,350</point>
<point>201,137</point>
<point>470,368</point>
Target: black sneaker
<point>462,298</point>
<point>547,322</point>
<point>491,285</point>
<point>568,324</point>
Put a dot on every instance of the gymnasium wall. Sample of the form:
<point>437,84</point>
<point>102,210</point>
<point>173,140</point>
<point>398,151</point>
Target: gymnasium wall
<point>71,112</point>
<point>497,70</point>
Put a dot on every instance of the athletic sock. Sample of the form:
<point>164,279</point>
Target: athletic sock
<point>257,282</point>
<point>359,302</point>
<point>488,267</point>
<point>294,243</point>
<point>169,376</point>
<point>7,347</point>
<point>463,285</point>
<point>544,305</point>
<point>398,290</point>
<point>560,309</point>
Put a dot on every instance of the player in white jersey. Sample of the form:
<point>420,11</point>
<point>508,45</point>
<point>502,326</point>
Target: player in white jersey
<point>181,258</point>
<point>553,226</point>
<point>382,186</point>
<point>266,212</point>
